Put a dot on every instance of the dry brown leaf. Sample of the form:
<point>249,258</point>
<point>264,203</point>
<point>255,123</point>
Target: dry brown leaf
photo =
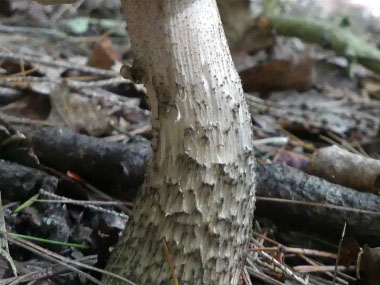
<point>104,54</point>
<point>279,75</point>
<point>96,111</point>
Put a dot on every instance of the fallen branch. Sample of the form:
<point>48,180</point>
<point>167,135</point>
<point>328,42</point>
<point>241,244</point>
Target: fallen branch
<point>115,167</point>
<point>359,210</point>
<point>328,35</point>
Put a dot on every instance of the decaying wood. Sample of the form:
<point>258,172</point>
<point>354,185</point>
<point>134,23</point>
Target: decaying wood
<point>8,95</point>
<point>116,167</point>
<point>18,182</point>
<point>274,181</point>
<point>285,182</point>
<point>199,194</point>
<point>342,167</point>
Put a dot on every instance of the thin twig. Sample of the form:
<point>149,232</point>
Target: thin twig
<point>170,262</point>
<point>312,262</point>
<point>90,202</point>
<point>95,208</point>
<point>273,140</point>
<point>59,63</point>
<point>50,271</point>
<point>61,259</point>
<point>252,270</point>
<point>51,33</point>
<point>47,254</point>
<point>339,248</point>
<point>285,269</point>
<point>330,206</point>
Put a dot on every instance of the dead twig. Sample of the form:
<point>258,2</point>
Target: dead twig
<point>59,63</point>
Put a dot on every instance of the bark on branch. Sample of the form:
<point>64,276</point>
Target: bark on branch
<point>281,181</point>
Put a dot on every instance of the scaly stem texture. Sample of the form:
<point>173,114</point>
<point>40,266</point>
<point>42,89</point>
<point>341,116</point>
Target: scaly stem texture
<point>199,192</point>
